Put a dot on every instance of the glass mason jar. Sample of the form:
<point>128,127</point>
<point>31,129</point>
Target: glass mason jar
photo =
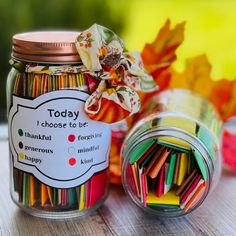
<point>171,157</point>
<point>59,157</point>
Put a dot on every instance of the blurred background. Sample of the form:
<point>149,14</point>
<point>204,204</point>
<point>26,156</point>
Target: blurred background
<point>210,26</point>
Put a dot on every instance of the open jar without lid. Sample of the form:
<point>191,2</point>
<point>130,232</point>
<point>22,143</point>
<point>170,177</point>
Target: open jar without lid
<point>171,157</point>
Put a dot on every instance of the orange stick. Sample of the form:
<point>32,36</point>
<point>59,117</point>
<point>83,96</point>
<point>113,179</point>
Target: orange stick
<point>32,197</point>
<point>42,81</point>
<point>152,162</point>
<point>195,196</point>
<point>71,81</point>
<point>135,175</point>
<point>59,197</point>
<point>44,194</point>
<point>35,86</point>
<point>45,84</point>
<point>158,164</point>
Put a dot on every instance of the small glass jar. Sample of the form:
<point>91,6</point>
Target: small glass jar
<point>171,157</point>
<point>59,157</point>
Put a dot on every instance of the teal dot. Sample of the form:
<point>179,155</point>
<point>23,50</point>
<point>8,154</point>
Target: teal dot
<point>20,132</point>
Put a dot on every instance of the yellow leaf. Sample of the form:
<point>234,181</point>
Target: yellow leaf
<point>196,76</point>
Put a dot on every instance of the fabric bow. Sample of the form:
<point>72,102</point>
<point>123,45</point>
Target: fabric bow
<point>120,73</point>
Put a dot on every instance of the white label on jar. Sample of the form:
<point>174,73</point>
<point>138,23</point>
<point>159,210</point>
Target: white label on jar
<point>52,138</point>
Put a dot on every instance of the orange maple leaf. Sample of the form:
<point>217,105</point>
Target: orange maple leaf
<point>159,55</point>
<point>221,94</point>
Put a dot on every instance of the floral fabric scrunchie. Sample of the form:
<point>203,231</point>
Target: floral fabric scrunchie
<point>120,73</point>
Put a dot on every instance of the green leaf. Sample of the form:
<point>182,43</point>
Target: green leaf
<point>121,98</point>
<point>120,89</point>
<point>90,40</point>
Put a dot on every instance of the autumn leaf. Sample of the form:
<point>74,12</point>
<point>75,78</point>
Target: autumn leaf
<point>196,77</point>
<point>159,55</point>
<point>230,108</point>
<point>221,94</point>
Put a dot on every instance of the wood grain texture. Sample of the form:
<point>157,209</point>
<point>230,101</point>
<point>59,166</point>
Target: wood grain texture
<point>217,215</point>
<point>119,216</point>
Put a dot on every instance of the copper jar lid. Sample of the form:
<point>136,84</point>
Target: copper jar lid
<point>46,46</point>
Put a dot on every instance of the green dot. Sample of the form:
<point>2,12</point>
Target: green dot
<point>20,132</point>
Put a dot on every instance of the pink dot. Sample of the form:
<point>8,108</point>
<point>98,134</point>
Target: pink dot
<point>72,161</point>
<point>71,137</point>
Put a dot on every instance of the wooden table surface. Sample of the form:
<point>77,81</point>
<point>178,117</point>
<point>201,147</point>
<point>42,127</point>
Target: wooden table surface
<point>119,216</point>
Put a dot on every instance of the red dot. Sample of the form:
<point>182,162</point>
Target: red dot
<point>71,137</point>
<point>72,161</point>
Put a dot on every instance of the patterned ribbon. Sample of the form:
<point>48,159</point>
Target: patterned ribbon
<point>119,74</point>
